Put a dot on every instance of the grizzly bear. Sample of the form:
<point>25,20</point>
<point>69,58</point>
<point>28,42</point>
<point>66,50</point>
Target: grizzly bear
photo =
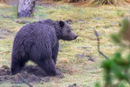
<point>39,42</point>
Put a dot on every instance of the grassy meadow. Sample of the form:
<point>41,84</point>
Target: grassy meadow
<point>79,59</point>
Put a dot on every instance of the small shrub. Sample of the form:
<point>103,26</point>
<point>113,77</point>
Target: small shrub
<point>117,68</point>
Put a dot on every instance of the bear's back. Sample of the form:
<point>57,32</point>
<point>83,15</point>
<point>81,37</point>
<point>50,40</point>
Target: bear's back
<point>37,28</point>
<point>37,32</point>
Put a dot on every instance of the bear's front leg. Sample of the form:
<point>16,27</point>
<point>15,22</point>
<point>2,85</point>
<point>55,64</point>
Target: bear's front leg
<point>48,66</point>
<point>55,52</point>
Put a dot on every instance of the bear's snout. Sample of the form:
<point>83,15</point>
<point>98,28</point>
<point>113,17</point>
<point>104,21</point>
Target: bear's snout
<point>75,36</point>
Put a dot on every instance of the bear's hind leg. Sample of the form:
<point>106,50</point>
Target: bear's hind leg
<point>17,65</point>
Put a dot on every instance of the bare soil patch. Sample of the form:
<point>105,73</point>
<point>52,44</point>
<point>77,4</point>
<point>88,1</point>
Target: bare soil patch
<point>30,74</point>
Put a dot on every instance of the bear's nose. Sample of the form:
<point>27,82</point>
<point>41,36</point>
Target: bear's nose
<point>76,36</point>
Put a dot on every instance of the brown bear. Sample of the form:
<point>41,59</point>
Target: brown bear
<point>39,42</point>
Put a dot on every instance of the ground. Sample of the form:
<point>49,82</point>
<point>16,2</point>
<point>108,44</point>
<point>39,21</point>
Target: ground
<point>78,60</point>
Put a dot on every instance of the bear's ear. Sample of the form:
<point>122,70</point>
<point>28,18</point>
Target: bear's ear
<point>61,23</point>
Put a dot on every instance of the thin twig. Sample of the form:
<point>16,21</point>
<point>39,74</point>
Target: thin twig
<point>25,81</point>
<point>98,45</point>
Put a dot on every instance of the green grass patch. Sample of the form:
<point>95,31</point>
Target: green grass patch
<point>82,71</point>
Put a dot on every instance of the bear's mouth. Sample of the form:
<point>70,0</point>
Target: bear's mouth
<point>69,39</point>
<point>73,38</point>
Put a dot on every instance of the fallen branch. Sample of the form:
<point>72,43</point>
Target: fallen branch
<point>98,45</point>
<point>24,81</point>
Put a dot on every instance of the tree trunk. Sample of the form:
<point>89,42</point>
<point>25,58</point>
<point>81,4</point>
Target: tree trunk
<point>25,8</point>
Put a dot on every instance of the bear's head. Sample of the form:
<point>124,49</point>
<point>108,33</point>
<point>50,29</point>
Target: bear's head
<point>66,31</point>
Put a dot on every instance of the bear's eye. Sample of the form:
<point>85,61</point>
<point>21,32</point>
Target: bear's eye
<point>68,31</point>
